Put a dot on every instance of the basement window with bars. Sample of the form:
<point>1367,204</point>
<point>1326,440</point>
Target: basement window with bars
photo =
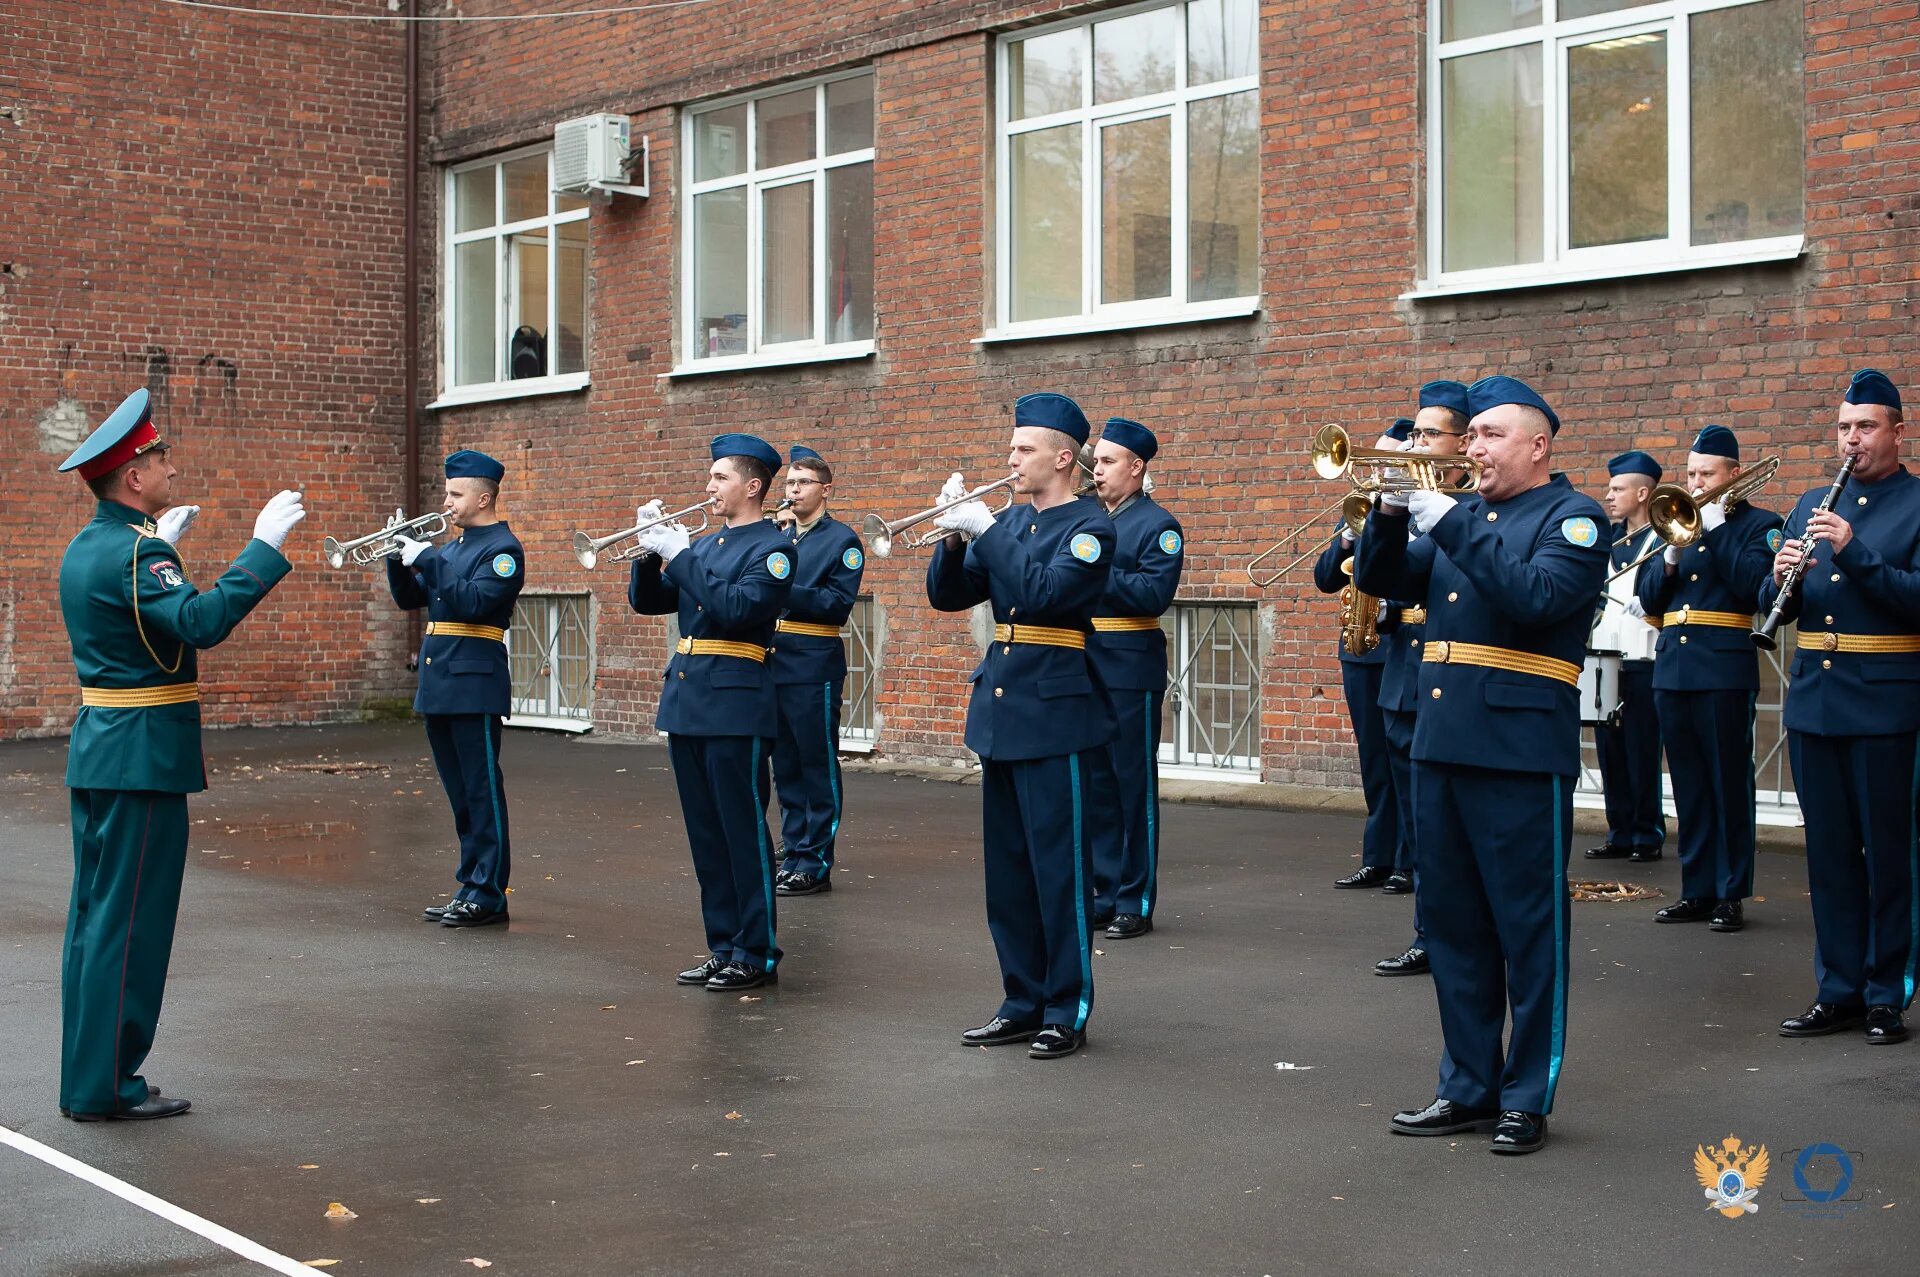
<point>515,318</point>
<point>1581,139</point>
<point>1211,721</point>
<point>1128,170</point>
<point>550,660</point>
<point>778,227</point>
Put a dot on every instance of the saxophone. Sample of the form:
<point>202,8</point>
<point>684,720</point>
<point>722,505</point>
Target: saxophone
<point>1359,616</point>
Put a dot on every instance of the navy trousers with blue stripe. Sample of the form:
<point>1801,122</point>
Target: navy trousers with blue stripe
<point>1629,754</point>
<point>466,750</point>
<point>723,797</point>
<point>1381,844</point>
<point>1709,740</point>
<point>806,774</point>
<point>1861,799</point>
<point>1126,818</point>
<point>1400,758</point>
<point>1039,869</point>
<point>1493,895</point>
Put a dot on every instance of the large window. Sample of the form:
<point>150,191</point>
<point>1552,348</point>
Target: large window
<point>1128,168</point>
<point>778,219</point>
<point>516,271</point>
<point>1576,138</point>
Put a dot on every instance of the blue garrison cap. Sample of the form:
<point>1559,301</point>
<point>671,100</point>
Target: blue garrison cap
<point>738,445</point>
<point>1717,441</point>
<point>1445,394</point>
<point>1635,462</point>
<point>125,434</point>
<point>468,464</point>
<point>1491,392</point>
<point>1053,412</point>
<point>1869,385</point>
<point>800,452</point>
<point>1401,429</point>
<point>1132,436</point>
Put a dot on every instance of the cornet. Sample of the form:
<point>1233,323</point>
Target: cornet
<point>1675,513</point>
<point>384,544</point>
<point>880,534</point>
<point>587,549</point>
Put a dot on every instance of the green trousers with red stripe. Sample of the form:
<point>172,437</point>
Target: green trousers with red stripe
<point>129,851</point>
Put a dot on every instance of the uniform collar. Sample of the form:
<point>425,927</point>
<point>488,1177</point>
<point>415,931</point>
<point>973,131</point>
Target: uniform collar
<point>801,529</point>
<point>1899,475</point>
<point>114,512</point>
<point>1127,505</point>
<point>1555,485</point>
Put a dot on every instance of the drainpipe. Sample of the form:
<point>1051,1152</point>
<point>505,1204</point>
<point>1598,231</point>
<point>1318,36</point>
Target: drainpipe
<point>410,340</point>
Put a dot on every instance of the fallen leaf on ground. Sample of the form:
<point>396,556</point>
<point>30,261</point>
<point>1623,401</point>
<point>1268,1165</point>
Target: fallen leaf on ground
<point>748,997</point>
<point>734,1116</point>
<point>309,1166</point>
<point>631,1063</point>
<point>1288,1066</point>
<point>610,1006</point>
<point>318,1263</point>
<point>335,1210</point>
<point>426,1201</point>
<point>478,1262</point>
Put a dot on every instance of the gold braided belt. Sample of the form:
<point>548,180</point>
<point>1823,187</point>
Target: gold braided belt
<point>816,628</point>
<point>1044,635</point>
<point>1501,658</point>
<point>1826,641</point>
<point>1123,624</point>
<point>1413,616</point>
<point>721,647</point>
<point>1696,616</point>
<point>460,629</point>
<point>139,697</point>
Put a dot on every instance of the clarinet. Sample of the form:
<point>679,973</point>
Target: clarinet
<point>1763,636</point>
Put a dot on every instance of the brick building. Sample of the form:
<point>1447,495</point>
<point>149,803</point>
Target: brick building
<point>871,226</point>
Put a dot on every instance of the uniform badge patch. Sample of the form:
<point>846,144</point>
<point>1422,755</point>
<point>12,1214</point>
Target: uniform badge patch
<point>1170,542</point>
<point>503,565</point>
<point>780,565</point>
<point>853,558</point>
<point>1581,532</point>
<point>1085,547</point>
<point>168,574</point>
<point>1775,539</point>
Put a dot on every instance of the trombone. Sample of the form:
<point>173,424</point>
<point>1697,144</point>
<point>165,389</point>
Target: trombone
<point>1675,513</point>
<point>587,549</point>
<point>880,534</point>
<point>1353,510</point>
<point>384,544</point>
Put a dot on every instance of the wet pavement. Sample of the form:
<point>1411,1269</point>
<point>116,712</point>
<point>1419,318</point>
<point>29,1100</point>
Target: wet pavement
<point>543,1097</point>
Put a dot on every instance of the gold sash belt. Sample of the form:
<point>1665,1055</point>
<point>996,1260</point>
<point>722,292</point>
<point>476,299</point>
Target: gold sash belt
<point>139,697</point>
<point>1694,616</point>
<point>1122,624</point>
<point>1413,616</point>
<point>460,629</point>
<point>1044,635</point>
<point>1825,641</point>
<point>1501,658</point>
<point>816,628</point>
<point>721,647</point>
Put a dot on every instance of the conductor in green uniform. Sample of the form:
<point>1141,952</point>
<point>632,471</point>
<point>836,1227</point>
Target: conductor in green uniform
<point>136,624</point>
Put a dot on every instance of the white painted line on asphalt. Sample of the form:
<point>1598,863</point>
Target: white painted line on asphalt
<point>186,1219</point>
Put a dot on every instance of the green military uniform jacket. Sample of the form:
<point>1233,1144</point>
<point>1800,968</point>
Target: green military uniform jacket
<point>136,622</point>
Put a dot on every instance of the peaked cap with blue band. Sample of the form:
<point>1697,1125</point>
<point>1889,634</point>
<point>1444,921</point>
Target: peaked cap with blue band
<point>1401,429</point>
<point>739,445</point>
<point>127,432</point>
<point>1132,436</point>
<point>1717,441</point>
<point>800,452</point>
<point>1871,386</point>
<point>1445,394</point>
<point>468,464</point>
<point>1052,412</point>
<point>1635,462</point>
<point>1492,392</point>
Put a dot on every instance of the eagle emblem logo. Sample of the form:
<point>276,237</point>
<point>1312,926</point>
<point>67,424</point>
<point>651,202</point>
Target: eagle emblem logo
<point>1731,1175</point>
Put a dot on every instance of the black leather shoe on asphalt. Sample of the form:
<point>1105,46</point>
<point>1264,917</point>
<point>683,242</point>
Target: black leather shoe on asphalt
<point>1364,876</point>
<point>1821,1019</point>
<point>803,884</point>
<point>1443,1117</point>
<point>999,1031</point>
<point>702,973</point>
<point>1398,883</point>
<point>1412,962</point>
<point>1727,916</point>
<point>1055,1041</point>
<point>465,913</point>
<point>152,1091</point>
<point>1519,1132</point>
<point>1884,1026</point>
<point>1127,926</point>
<point>433,913</point>
<point>738,975</point>
<point>1608,851</point>
<point>1644,855</point>
<point>154,1106</point>
<point>1688,909</point>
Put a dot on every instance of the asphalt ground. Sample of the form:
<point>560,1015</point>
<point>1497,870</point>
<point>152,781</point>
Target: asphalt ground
<point>544,1098</point>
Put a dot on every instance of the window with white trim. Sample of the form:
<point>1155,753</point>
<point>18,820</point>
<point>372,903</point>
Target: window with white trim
<point>516,272</point>
<point>1580,138</point>
<point>1128,167</point>
<point>778,225</point>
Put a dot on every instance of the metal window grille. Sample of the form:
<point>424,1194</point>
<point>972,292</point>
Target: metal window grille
<point>550,655</point>
<point>1212,718</point>
<point>859,723</point>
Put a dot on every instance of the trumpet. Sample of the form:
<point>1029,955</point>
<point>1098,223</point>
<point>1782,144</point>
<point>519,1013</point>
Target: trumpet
<point>1353,509</point>
<point>384,544</point>
<point>777,510</point>
<point>587,548</point>
<point>1675,513</point>
<point>880,533</point>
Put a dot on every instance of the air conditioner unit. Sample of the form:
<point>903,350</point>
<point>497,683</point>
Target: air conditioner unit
<point>595,153</point>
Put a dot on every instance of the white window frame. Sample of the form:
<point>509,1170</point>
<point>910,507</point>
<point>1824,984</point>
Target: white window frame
<point>1670,18</point>
<point>758,182</point>
<point>1096,316</point>
<point>506,299</point>
<point>1179,624</point>
<point>552,603</point>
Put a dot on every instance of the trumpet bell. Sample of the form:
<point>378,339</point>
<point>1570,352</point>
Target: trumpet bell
<point>332,551</point>
<point>878,534</point>
<point>586,550</point>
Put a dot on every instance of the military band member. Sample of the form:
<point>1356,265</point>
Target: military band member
<point>719,706</point>
<point>1510,577</point>
<point>1383,842</point>
<point>1629,747</point>
<point>1129,649</point>
<point>136,625</point>
<point>1706,680</point>
<point>1038,717</point>
<point>1853,721</point>
<point>809,662</point>
<point>468,588</point>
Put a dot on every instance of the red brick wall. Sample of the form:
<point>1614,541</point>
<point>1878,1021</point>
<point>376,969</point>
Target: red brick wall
<point>208,206</point>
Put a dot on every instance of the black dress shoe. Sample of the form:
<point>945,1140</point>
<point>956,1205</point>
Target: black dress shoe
<point>466,913</point>
<point>153,1106</point>
<point>1727,916</point>
<point>702,973</point>
<point>1884,1026</point>
<point>1609,851</point>
<point>999,1031</point>
<point>433,913</point>
<point>1519,1132</point>
<point>1364,876</point>
<point>1820,1019</point>
<point>736,976</point>
<point>1640,856</point>
<point>1443,1117</point>
<point>1127,926</point>
<point>802,884</point>
<point>1101,921</point>
<point>1412,962</point>
<point>1055,1041</point>
<point>152,1091</point>
<point>1688,909</point>
<point>1398,883</point>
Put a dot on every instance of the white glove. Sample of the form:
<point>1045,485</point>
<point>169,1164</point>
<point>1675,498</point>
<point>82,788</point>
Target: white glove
<point>277,518</point>
<point>1394,501</point>
<point>1713,514</point>
<point>648,512</point>
<point>1634,608</point>
<point>411,549</point>
<point>1346,536</point>
<point>670,539</point>
<point>1672,556</point>
<point>174,523</point>
<point>1428,508</point>
<point>970,517</point>
<point>954,488</point>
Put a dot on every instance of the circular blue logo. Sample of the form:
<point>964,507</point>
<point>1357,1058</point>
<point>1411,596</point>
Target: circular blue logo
<point>1774,540</point>
<point>503,565</point>
<point>1814,1158</point>
<point>779,565</point>
<point>1085,548</point>
<point>1170,542</point>
<point>852,558</point>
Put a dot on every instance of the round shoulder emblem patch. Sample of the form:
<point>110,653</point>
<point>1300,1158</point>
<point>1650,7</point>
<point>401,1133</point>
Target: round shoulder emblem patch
<point>853,558</point>
<point>503,565</point>
<point>1170,542</point>
<point>780,565</point>
<point>1581,532</point>
<point>1775,539</point>
<point>1085,547</point>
